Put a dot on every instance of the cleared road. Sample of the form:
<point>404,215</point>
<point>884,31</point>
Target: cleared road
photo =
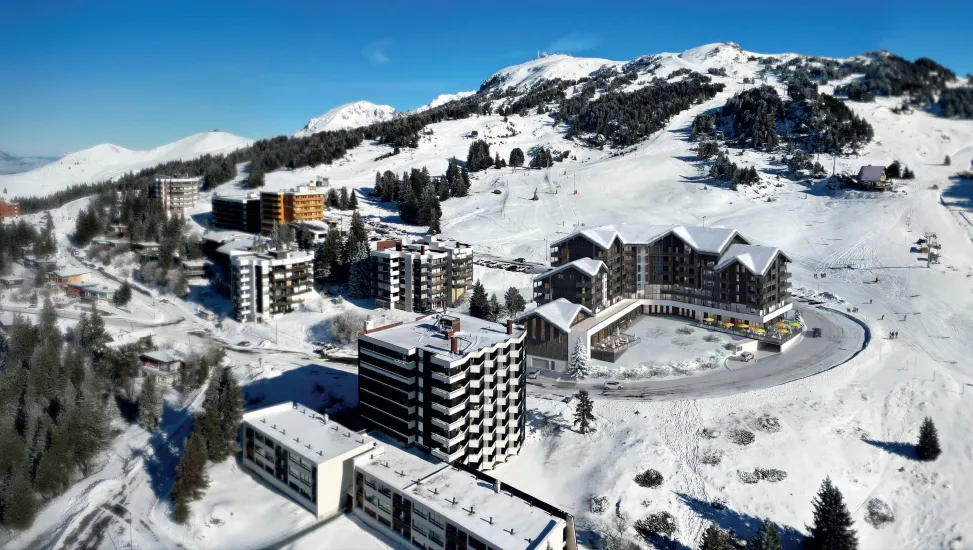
<point>842,338</point>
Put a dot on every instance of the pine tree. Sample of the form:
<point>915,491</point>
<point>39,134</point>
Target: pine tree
<point>359,281</point>
<point>435,225</point>
<point>714,538</point>
<point>357,232</point>
<point>514,302</point>
<point>583,412</point>
<point>516,157</point>
<point>20,506</point>
<point>479,302</point>
<point>191,479</point>
<point>123,295</point>
<point>230,407</point>
<point>496,310</point>
<point>928,447</point>
<point>353,200</point>
<point>579,368</point>
<point>322,265</point>
<point>832,529</point>
<point>947,161</point>
<point>765,538</point>
<point>150,404</point>
<point>343,200</point>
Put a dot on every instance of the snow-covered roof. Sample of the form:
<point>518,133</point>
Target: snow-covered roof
<point>72,272</point>
<point>871,173</point>
<point>756,259</point>
<point>237,198</point>
<point>161,356</point>
<point>585,265</point>
<point>235,245</point>
<point>425,333</point>
<point>498,518</point>
<point>307,433</point>
<point>701,239</point>
<point>560,313</point>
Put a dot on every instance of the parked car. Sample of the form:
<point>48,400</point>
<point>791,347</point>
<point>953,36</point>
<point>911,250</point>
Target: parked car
<point>613,385</point>
<point>520,260</point>
<point>532,375</point>
<point>746,356</point>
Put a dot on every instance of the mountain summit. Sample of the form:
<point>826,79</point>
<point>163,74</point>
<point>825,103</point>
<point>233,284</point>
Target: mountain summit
<point>349,115</point>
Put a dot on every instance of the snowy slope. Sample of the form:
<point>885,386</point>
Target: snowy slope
<point>107,161</point>
<point>442,99</point>
<point>547,67</point>
<point>349,115</point>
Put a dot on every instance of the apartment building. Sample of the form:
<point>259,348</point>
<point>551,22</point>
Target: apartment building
<point>410,497</point>
<point>266,285</point>
<point>614,274</point>
<point>452,384</point>
<point>237,212</point>
<point>177,194</point>
<point>422,276</point>
<point>9,209</point>
<point>293,205</point>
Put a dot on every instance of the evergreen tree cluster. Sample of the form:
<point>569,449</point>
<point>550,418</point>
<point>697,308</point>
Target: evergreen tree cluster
<point>724,169</point>
<point>956,102</point>
<point>516,157</point>
<point>341,200</point>
<point>21,238</point>
<point>478,157</point>
<point>55,410</point>
<point>625,118</point>
<point>542,158</point>
<point>418,194</point>
<point>214,438</point>
<point>890,75</point>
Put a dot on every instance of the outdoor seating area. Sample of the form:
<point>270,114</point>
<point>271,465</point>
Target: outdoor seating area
<point>780,332</point>
<point>613,347</point>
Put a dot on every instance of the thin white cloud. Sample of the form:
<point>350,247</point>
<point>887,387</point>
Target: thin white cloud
<point>376,52</point>
<point>573,43</point>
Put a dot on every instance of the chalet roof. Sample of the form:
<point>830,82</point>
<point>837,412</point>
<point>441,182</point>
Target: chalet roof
<point>560,313</point>
<point>585,265</point>
<point>871,173</point>
<point>72,272</point>
<point>161,356</point>
<point>702,239</point>
<point>756,259</point>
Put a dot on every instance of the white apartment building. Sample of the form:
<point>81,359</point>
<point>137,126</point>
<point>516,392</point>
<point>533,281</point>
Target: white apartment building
<point>177,194</point>
<point>266,285</point>
<point>409,496</point>
<point>452,384</point>
<point>422,276</point>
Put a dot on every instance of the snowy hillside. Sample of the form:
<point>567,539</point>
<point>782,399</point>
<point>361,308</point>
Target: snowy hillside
<point>349,115</point>
<point>442,99</point>
<point>107,161</point>
<point>546,67</point>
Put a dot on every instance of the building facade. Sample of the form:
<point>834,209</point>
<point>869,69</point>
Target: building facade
<point>9,209</point>
<point>451,384</point>
<point>413,498</point>
<point>423,276</point>
<point>615,274</point>
<point>177,194</point>
<point>266,285</point>
<point>237,212</point>
<point>303,203</point>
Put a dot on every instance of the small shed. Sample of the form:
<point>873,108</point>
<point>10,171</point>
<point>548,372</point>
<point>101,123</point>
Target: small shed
<point>11,281</point>
<point>873,177</point>
<point>71,275</point>
<point>163,365</point>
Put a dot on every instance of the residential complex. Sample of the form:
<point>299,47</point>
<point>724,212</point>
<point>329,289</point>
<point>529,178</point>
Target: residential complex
<point>237,212</point>
<point>421,276</point>
<point>409,496</point>
<point>605,278</point>
<point>177,194</point>
<point>266,285</point>
<point>9,209</point>
<point>451,384</point>
<point>294,205</point>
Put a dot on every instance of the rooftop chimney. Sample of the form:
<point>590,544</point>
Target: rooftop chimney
<point>510,326</point>
<point>398,246</point>
<point>454,345</point>
<point>496,486</point>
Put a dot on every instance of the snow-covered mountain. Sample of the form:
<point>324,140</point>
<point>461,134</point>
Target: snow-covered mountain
<point>107,161</point>
<point>442,99</point>
<point>349,115</point>
<point>546,67</point>
<point>10,164</point>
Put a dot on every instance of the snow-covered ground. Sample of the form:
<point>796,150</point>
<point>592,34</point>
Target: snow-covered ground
<point>853,423</point>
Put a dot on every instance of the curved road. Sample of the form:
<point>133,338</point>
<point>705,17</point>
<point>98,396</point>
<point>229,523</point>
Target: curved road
<point>842,338</point>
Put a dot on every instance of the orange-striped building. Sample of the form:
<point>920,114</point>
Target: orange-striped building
<point>303,203</point>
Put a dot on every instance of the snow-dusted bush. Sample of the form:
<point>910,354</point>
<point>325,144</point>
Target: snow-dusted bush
<point>879,513</point>
<point>656,525</point>
<point>345,326</point>
<point>742,437</point>
<point>597,504</point>
<point>649,479</point>
<point>762,474</point>
<point>685,330</point>
<point>767,423</point>
<point>711,338</point>
<point>709,433</point>
<point>711,457</point>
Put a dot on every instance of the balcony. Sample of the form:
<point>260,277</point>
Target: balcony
<point>449,379</point>
<point>450,411</point>
<point>453,394</point>
<point>447,457</point>
<point>454,425</point>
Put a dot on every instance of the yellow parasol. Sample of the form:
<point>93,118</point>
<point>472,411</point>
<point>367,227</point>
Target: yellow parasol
<point>795,324</point>
<point>781,324</point>
<point>743,326</point>
<point>709,319</point>
<point>782,331</point>
<point>759,330</point>
<point>728,325</point>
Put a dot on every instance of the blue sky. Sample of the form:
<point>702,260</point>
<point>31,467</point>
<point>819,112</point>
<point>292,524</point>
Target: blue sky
<point>144,73</point>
